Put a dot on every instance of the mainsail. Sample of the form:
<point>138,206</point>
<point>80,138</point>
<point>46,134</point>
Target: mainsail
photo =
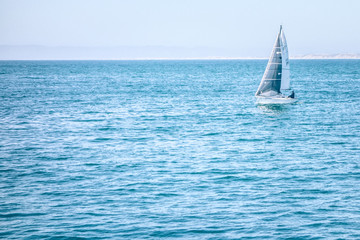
<point>277,73</point>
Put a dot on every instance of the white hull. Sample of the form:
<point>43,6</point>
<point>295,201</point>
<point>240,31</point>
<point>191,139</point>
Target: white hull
<point>275,100</point>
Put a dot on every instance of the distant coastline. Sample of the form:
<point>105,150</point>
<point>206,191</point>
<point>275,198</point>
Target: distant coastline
<point>8,52</point>
<point>328,56</point>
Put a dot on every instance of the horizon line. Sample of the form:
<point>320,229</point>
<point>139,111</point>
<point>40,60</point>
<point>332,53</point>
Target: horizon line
<point>186,59</point>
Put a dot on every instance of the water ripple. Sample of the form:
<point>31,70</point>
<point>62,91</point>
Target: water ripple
<point>177,149</point>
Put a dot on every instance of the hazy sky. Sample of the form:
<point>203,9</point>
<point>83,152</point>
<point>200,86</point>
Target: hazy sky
<point>247,27</point>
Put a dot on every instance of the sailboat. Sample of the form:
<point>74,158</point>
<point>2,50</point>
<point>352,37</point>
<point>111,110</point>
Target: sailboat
<point>277,75</point>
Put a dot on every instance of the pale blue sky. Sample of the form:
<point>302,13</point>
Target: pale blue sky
<point>246,27</point>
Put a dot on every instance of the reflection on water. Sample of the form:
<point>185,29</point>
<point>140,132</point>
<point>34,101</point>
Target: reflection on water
<point>272,109</point>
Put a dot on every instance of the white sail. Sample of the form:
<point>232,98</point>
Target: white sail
<point>277,73</point>
<point>285,74</point>
<point>276,76</point>
<point>271,81</point>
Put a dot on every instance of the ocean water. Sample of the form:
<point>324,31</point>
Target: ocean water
<point>177,150</point>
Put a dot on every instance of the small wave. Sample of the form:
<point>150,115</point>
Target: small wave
<point>107,129</point>
<point>212,134</point>
<point>167,195</point>
<point>139,139</point>
<point>87,120</point>
<point>250,139</point>
<point>101,139</point>
<point>31,77</point>
<point>14,215</point>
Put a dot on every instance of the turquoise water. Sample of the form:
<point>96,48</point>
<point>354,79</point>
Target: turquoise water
<point>177,149</point>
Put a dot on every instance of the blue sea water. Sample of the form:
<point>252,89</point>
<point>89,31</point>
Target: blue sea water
<point>177,149</point>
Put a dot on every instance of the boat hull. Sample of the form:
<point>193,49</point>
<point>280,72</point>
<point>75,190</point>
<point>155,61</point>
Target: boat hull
<point>275,100</point>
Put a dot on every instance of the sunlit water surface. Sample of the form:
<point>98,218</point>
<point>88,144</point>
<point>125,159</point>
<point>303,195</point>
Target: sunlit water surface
<point>177,149</point>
